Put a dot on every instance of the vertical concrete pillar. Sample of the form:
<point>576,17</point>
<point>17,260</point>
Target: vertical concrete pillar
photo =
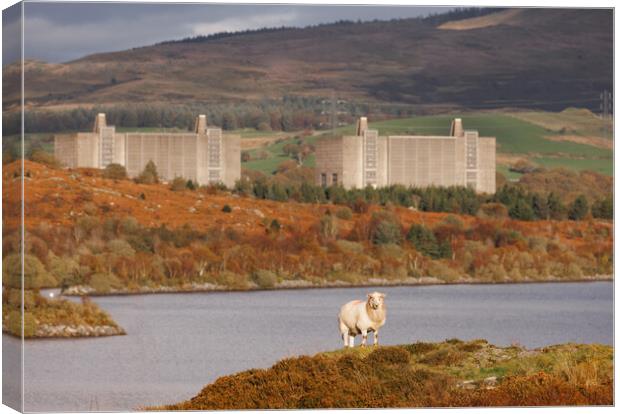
<point>201,124</point>
<point>100,122</point>
<point>362,126</point>
<point>456,129</point>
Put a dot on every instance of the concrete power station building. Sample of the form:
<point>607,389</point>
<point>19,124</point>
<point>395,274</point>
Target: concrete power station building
<point>462,158</point>
<point>204,156</point>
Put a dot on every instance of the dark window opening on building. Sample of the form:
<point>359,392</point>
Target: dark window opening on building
<point>323,179</point>
<point>334,178</point>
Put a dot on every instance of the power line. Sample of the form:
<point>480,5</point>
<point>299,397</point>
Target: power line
<point>606,104</point>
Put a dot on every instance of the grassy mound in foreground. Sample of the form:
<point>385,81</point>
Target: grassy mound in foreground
<point>451,373</point>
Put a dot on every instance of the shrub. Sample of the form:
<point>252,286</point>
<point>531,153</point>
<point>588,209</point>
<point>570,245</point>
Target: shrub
<point>227,209</point>
<point>603,209</point>
<point>45,158</point>
<point>15,298</point>
<point>444,356</point>
<point>178,184</point>
<point>265,279</point>
<point>421,347</point>
<point>34,277</point>
<point>493,210</point>
<point>385,228</point>
<point>104,282</point>
<point>15,324</point>
<point>115,172</point>
<point>274,226</point>
<point>388,355</point>
<point>129,225</point>
<point>232,280</point>
<point>579,209</point>
<point>328,227</point>
<point>424,240</point>
<point>120,247</point>
<point>523,167</point>
<point>149,175</point>
<point>263,126</point>
<point>442,271</point>
<point>521,210</point>
<point>344,213</point>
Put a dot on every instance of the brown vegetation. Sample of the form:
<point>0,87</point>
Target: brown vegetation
<point>117,235</point>
<point>448,374</point>
<point>568,184</point>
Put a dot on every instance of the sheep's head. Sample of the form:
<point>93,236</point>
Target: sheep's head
<point>376,299</point>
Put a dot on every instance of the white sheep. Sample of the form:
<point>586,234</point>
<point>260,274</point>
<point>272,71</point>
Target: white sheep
<point>359,317</point>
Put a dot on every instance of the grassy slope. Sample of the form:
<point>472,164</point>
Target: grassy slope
<point>451,373</point>
<point>275,156</point>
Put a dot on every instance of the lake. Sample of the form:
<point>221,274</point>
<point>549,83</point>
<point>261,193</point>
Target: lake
<point>177,343</point>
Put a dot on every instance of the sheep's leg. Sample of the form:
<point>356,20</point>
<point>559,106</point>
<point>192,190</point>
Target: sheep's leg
<point>351,341</point>
<point>345,338</point>
<point>364,337</point>
<point>376,338</point>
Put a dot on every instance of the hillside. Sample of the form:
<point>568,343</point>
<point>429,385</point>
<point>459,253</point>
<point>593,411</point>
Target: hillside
<point>96,235</point>
<point>448,374</point>
<point>534,58</point>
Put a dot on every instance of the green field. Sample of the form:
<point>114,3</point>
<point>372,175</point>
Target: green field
<point>602,166</point>
<point>275,155</point>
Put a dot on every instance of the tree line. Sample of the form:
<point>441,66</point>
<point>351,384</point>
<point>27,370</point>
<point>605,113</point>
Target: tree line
<point>291,113</point>
<point>509,201</point>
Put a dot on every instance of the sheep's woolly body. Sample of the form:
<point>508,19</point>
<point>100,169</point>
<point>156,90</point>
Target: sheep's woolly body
<point>358,318</point>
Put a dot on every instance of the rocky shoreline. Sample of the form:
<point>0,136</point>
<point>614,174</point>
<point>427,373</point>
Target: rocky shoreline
<point>72,331</point>
<point>85,290</point>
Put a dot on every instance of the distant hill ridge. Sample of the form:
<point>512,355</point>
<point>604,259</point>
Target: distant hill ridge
<point>532,58</point>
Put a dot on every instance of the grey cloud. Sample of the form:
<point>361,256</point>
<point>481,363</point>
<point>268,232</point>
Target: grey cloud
<point>11,34</point>
<point>59,32</point>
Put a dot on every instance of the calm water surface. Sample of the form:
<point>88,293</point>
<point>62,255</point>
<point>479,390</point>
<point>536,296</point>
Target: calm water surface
<point>177,343</point>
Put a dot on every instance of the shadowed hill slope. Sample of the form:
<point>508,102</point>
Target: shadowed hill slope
<point>537,58</point>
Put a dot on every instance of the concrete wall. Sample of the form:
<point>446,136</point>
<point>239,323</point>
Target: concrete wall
<point>186,155</point>
<point>383,162</point>
<point>119,148</point>
<point>175,155</point>
<point>232,159</point>
<point>87,149</point>
<point>422,161</point>
<point>418,161</point>
<point>329,160</point>
<point>65,149</point>
<point>486,166</point>
<point>459,162</point>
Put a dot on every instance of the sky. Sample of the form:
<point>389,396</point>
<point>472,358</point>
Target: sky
<point>63,31</point>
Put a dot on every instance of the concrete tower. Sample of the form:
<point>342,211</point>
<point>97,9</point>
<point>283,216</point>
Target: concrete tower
<point>456,129</point>
<point>100,123</point>
<point>362,126</point>
<point>201,124</point>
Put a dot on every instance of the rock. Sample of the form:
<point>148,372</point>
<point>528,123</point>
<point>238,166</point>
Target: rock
<point>468,385</point>
<point>192,209</point>
<point>258,213</point>
<point>490,381</point>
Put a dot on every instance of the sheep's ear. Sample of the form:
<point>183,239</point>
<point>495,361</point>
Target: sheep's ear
<point>383,295</point>
<point>368,296</point>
